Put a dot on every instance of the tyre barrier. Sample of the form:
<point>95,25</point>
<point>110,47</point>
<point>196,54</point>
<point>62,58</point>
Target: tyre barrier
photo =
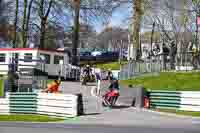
<point>59,105</point>
<point>179,100</point>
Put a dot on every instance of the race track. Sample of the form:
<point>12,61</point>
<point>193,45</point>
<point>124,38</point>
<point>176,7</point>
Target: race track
<point>74,128</point>
<point>97,119</point>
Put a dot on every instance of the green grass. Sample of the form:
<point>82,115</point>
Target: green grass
<point>111,65</point>
<point>179,112</point>
<point>28,118</point>
<point>1,87</point>
<point>49,81</point>
<point>168,81</point>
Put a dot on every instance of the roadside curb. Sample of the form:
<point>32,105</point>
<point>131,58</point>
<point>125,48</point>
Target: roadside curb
<point>170,114</point>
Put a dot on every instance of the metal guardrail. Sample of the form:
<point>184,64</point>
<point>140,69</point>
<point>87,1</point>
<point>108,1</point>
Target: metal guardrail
<point>61,105</point>
<point>160,63</point>
<point>180,100</point>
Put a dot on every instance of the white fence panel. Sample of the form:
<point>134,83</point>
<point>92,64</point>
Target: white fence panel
<point>190,101</point>
<point>59,111</point>
<point>189,108</point>
<point>4,106</point>
<point>4,101</point>
<point>63,105</point>
<point>52,96</point>
<point>190,94</point>
<point>56,103</point>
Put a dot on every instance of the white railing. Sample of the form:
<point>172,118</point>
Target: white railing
<point>4,106</point>
<point>59,105</point>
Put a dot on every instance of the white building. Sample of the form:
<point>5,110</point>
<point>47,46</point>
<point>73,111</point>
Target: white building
<point>48,60</point>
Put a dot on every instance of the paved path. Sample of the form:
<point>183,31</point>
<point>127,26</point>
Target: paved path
<point>104,120</point>
<point>92,104</point>
<point>124,115</point>
<point>94,128</point>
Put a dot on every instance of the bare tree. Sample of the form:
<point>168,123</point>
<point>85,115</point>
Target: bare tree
<point>136,26</point>
<point>24,24</point>
<point>111,37</point>
<point>76,6</point>
<point>26,34</point>
<point>15,23</point>
<point>44,16</point>
<point>99,9</point>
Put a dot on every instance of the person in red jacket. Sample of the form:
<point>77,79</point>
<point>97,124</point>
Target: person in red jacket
<point>53,87</point>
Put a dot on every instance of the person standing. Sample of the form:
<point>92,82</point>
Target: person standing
<point>98,79</point>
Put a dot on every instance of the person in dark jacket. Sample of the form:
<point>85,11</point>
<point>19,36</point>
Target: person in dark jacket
<point>109,75</point>
<point>114,84</point>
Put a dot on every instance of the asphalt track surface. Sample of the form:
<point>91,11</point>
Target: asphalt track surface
<point>123,119</point>
<point>73,128</point>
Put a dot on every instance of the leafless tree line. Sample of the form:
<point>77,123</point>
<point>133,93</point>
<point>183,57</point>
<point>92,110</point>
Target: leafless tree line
<point>32,18</point>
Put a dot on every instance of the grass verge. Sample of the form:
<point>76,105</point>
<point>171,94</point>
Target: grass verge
<point>179,112</point>
<point>111,65</point>
<point>28,118</point>
<point>1,87</point>
<point>171,81</point>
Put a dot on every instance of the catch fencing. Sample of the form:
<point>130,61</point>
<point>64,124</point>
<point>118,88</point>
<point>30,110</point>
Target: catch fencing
<point>160,63</point>
<point>179,100</point>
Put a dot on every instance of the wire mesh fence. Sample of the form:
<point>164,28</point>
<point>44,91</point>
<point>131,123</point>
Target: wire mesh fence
<point>179,62</point>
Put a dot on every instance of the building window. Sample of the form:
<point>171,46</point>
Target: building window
<point>57,59</point>
<point>46,57</point>
<point>27,57</point>
<point>2,57</point>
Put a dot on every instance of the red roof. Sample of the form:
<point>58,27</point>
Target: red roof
<point>19,49</point>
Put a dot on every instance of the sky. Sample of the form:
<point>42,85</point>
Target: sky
<point>118,19</point>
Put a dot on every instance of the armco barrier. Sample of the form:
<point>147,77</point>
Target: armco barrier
<point>180,100</point>
<point>61,105</point>
<point>23,102</point>
<point>57,104</point>
<point>4,106</point>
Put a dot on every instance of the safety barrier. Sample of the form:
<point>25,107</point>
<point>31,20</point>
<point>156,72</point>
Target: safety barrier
<point>180,100</point>
<point>23,102</point>
<point>57,104</point>
<point>61,105</point>
<point>4,106</point>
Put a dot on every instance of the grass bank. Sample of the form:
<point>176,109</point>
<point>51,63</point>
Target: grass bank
<point>28,118</point>
<point>179,112</point>
<point>1,87</point>
<point>111,65</point>
<point>188,81</point>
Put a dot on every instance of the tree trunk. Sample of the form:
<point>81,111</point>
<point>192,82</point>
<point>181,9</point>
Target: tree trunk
<point>76,32</point>
<point>15,24</point>
<point>44,18</point>
<point>197,27</point>
<point>136,27</point>
<point>42,33</point>
<point>24,24</point>
<point>27,21</point>
<point>42,24</point>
